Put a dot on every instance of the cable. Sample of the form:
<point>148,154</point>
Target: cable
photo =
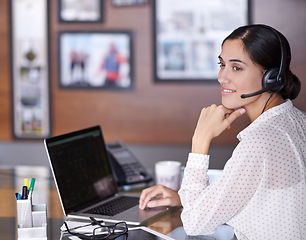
<point>267,103</point>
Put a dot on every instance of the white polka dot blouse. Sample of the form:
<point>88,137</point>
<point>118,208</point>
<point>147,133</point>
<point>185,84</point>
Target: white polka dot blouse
<point>261,192</point>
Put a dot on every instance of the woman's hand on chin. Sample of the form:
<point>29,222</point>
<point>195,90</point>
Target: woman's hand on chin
<point>212,122</point>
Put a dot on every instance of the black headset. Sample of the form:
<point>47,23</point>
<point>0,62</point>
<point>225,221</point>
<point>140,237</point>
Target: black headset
<point>274,79</point>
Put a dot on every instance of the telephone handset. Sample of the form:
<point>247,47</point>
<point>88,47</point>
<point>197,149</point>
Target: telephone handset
<point>128,170</point>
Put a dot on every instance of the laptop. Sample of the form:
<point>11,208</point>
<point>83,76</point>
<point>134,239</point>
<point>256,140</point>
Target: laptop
<point>84,179</point>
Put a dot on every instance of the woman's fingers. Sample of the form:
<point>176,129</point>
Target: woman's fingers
<point>167,197</point>
<point>149,193</point>
<point>159,202</point>
<point>231,117</point>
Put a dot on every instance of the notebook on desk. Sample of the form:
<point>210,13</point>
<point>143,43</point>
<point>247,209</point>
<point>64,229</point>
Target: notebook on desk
<point>84,179</point>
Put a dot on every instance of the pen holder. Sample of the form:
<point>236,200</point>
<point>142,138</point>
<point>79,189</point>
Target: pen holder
<point>31,220</point>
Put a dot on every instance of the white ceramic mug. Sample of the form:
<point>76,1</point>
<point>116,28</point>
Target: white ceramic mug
<point>168,173</point>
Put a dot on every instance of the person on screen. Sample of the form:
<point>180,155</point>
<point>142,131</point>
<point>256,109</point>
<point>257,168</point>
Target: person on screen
<point>261,192</point>
<point>78,65</point>
<point>111,65</point>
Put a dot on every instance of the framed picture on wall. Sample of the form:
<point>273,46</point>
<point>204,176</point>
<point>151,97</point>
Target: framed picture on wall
<point>95,60</point>
<point>76,11</point>
<point>30,69</point>
<point>120,3</point>
<point>188,36</point>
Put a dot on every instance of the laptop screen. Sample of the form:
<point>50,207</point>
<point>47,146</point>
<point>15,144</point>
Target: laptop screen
<point>81,168</point>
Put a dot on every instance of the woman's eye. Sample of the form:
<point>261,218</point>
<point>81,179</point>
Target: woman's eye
<point>221,64</point>
<point>237,68</point>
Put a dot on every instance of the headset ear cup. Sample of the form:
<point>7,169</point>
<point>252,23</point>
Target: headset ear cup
<point>269,80</point>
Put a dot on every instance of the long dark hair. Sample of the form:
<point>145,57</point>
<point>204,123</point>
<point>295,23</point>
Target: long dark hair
<point>264,48</point>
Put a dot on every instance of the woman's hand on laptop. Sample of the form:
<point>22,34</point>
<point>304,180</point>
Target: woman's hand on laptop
<point>162,195</point>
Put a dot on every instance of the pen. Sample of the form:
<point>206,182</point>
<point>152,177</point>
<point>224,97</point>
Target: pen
<point>26,182</point>
<point>18,196</point>
<point>31,188</point>
<point>24,192</point>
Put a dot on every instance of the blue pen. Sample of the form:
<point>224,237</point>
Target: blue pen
<point>18,196</point>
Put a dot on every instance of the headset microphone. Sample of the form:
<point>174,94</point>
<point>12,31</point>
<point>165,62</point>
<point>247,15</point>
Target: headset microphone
<point>254,93</point>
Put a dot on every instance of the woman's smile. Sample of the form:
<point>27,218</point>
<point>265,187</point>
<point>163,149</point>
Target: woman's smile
<point>227,91</point>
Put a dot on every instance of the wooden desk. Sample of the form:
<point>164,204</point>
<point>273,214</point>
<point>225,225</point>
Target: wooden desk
<point>163,224</point>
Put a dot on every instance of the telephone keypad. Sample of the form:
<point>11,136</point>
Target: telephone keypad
<point>132,169</point>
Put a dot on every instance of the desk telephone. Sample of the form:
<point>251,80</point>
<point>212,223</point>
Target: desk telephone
<point>128,170</point>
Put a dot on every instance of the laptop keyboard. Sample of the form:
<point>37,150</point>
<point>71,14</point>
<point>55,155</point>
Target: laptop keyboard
<point>115,206</point>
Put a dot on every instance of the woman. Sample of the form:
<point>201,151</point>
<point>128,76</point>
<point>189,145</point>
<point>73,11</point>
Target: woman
<point>261,192</point>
